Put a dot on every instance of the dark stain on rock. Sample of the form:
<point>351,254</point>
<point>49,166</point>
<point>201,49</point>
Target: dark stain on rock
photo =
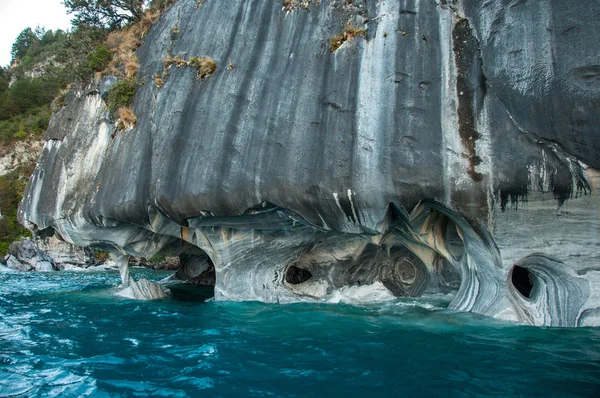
<point>469,80</point>
<point>562,186</point>
<point>515,191</point>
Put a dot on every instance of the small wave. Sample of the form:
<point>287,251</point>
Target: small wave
<point>364,294</point>
<point>134,342</point>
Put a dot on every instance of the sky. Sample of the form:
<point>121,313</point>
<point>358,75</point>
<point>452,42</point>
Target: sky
<point>16,15</point>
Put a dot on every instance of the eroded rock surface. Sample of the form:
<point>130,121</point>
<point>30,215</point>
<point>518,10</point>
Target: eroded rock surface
<point>142,289</point>
<point>24,255</point>
<point>453,148</point>
<point>65,255</point>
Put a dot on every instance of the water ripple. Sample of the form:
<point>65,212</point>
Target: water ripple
<point>63,334</point>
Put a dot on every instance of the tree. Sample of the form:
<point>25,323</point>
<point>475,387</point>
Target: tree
<point>111,14</point>
<point>28,93</point>
<point>8,106</point>
<point>23,43</point>
<point>3,80</point>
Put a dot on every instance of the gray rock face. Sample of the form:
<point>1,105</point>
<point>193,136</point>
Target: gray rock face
<point>65,255</point>
<point>453,148</point>
<point>24,255</point>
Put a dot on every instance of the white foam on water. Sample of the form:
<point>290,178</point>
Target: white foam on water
<point>373,293</point>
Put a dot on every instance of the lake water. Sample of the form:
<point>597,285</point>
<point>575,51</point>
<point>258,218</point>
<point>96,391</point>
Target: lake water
<point>64,334</point>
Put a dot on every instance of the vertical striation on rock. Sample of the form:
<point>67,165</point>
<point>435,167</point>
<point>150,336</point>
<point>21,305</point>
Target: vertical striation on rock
<point>449,144</point>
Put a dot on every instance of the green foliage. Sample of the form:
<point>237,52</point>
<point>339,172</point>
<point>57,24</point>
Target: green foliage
<point>121,94</point>
<point>29,93</point>
<point>72,54</point>
<point>156,259</point>
<point>20,135</point>
<point>34,121</point>
<point>8,106</point>
<point>24,41</point>
<point>100,255</point>
<point>111,14</point>
<point>3,81</point>
<point>99,58</point>
<point>60,58</point>
<point>12,186</point>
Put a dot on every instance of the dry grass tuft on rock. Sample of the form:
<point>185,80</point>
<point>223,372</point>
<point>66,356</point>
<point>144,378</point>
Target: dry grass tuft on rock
<point>206,66</point>
<point>290,5</point>
<point>123,43</point>
<point>127,118</point>
<point>349,33</point>
<point>177,61</point>
<point>158,80</point>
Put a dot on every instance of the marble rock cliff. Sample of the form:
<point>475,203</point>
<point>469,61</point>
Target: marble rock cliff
<point>434,147</point>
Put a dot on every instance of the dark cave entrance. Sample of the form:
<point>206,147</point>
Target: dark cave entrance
<point>522,280</point>
<point>197,272</point>
<point>295,275</point>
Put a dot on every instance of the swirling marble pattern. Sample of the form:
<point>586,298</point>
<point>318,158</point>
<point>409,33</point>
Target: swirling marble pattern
<point>449,144</point>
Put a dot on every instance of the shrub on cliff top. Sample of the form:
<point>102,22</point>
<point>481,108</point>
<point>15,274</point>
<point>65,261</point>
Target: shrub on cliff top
<point>105,13</point>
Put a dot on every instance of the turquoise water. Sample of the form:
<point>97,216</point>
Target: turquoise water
<point>63,334</point>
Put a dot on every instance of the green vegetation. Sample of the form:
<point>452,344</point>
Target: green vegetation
<point>156,259</point>
<point>101,256</point>
<point>34,121</point>
<point>45,65</point>
<point>106,13</point>
<point>99,58</point>
<point>121,95</point>
<point>12,186</point>
<point>112,14</point>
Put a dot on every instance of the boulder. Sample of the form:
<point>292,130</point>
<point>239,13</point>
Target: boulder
<point>24,255</point>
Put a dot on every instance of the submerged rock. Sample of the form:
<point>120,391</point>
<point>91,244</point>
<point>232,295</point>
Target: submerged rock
<point>142,289</point>
<point>430,147</point>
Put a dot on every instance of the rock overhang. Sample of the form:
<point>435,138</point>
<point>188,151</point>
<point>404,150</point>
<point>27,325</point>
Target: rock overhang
<point>426,110</point>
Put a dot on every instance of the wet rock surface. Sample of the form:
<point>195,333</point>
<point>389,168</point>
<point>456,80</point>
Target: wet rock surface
<point>448,143</point>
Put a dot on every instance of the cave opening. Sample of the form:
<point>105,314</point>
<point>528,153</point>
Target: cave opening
<point>197,272</point>
<point>295,275</point>
<point>522,281</point>
<point>191,293</point>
